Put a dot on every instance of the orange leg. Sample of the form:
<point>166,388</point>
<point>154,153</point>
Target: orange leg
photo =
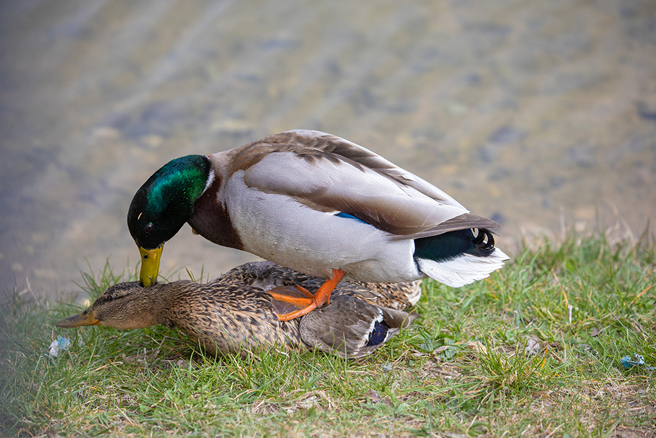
<point>283,293</point>
<point>311,302</point>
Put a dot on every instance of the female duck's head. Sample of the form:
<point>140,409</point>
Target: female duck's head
<point>122,306</point>
<point>161,207</point>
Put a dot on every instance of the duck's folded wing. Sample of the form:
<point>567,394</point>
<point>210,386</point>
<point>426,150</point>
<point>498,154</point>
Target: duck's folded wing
<point>398,296</point>
<point>351,327</point>
<point>335,176</point>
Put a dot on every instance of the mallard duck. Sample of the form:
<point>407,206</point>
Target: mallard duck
<point>320,205</point>
<point>236,314</point>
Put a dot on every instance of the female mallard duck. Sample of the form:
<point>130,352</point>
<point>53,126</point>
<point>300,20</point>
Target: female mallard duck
<point>318,204</point>
<point>235,313</point>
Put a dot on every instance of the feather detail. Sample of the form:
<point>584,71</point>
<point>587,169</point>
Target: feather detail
<point>330,174</point>
<point>463,269</point>
<point>461,222</point>
<point>458,257</point>
<point>359,330</point>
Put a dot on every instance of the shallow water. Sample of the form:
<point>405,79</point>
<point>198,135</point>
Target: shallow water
<point>520,110</point>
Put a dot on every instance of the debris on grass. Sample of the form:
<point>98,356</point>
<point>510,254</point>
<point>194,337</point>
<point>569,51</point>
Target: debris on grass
<point>58,344</point>
<point>477,346</point>
<point>373,396</point>
<point>533,346</point>
<point>627,363</point>
<point>594,332</point>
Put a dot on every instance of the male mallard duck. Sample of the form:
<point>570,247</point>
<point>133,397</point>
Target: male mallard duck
<point>235,313</point>
<point>318,204</point>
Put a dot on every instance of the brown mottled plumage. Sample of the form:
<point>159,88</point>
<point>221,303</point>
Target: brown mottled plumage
<point>235,314</point>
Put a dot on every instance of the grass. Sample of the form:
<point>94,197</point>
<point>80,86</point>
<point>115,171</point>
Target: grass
<point>533,351</point>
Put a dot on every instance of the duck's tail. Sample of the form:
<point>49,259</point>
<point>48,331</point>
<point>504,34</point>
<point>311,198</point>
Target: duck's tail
<point>459,257</point>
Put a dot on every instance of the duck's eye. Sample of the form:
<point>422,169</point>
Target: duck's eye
<point>149,227</point>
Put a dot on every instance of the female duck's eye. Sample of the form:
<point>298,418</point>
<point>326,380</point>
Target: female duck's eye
<point>149,227</point>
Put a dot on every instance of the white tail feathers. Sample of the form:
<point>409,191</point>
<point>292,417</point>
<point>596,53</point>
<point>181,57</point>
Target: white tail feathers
<point>463,269</point>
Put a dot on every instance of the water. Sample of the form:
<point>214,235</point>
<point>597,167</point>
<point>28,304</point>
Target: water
<point>520,110</point>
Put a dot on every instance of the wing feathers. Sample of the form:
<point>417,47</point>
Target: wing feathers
<point>330,174</point>
<point>347,324</point>
<point>457,223</point>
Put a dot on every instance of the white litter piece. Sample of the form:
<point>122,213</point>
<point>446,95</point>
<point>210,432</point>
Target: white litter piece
<point>58,344</point>
<point>533,346</point>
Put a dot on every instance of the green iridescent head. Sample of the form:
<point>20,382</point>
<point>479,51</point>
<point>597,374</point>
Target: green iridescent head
<point>162,206</point>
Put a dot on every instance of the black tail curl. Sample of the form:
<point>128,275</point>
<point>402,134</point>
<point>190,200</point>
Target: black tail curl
<point>483,242</point>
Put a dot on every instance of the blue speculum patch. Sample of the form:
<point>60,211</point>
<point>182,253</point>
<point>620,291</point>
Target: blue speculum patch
<point>378,335</point>
<point>348,216</point>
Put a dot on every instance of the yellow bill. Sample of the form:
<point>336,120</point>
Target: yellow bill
<point>79,320</point>
<point>150,265</point>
